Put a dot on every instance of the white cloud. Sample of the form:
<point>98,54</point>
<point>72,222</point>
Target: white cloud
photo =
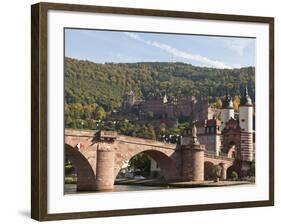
<point>179,53</point>
<point>133,36</point>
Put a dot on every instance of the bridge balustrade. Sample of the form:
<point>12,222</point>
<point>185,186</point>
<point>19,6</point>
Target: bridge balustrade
<point>221,156</point>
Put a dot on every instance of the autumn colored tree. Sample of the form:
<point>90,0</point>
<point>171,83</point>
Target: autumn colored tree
<point>236,103</point>
<point>218,103</point>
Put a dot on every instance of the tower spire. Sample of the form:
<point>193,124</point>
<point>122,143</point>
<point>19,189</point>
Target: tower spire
<point>246,99</point>
<point>227,111</point>
<point>227,102</point>
<point>246,91</point>
<point>226,92</point>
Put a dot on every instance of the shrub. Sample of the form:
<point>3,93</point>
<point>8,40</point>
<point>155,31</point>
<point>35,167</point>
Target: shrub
<point>234,176</point>
<point>150,115</point>
<point>70,180</point>
<point>68,169</point>
<point>251,179</point>
<point>252,170</point>
<point>216,171</point>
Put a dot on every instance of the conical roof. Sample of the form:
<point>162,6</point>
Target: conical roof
<point>246,99</point>
<point>227,101</point>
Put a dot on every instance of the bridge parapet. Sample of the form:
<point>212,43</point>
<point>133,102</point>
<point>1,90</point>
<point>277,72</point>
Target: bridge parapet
<point>221,157</point>
<point>79,133</point>
<point>145,142</point>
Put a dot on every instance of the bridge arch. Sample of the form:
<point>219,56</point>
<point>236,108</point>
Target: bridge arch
<point>231,145</point>
<point>85,174</point>
<point>208,167</point>
<point>166,163</point>
<point>232,150</point>
<point>233,168</point>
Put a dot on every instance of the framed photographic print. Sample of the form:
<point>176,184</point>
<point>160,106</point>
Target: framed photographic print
<point>139,111</point>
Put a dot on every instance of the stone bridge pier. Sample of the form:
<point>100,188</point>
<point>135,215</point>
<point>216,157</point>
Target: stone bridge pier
<point>105,167</point>
<point>193,162</point>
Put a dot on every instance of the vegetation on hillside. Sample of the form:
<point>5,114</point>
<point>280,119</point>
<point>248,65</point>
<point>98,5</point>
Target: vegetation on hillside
<point>93,92</point>
<point>105,84</point>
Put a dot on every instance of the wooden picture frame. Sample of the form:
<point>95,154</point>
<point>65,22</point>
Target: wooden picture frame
<point>39,109</point>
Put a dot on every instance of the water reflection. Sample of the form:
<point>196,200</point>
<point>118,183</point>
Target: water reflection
<point>71,188</point>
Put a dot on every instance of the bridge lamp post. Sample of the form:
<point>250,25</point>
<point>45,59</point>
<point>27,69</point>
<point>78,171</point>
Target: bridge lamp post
<point>98,124</point>
<point>170,138</point>
<point>178,139</point>
<point>164,138</point>
<point>114,123</point>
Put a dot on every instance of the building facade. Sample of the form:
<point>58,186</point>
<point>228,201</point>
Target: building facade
<point>228,136</point>
<point>170,107</point>
<point>208,134</point>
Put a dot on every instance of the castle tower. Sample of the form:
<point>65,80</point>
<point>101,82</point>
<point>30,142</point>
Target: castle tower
<point>129,100</point>
<point>227,111</point>
<point>246,125</point>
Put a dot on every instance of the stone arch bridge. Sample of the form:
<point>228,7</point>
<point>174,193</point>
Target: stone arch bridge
<point>98,156</point>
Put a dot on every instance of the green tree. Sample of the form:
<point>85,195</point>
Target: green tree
<point>252,169</point>
<point>88,82</point>
<point>68,121</point>
<point>149,115</point>
<point>142,162</point>
<point>68,169</point>
<point>218,103</point>
<point>216,172</point>
<point>100,113</point>
<point>151,131</point>
<point>234,176</point>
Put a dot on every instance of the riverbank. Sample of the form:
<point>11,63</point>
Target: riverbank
<point>72,188</point>
<point>189,184</point>
<point>152,184</point>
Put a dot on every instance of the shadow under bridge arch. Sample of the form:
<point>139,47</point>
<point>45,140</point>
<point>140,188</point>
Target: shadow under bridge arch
<point>85,174</point>
<point>167,164</point>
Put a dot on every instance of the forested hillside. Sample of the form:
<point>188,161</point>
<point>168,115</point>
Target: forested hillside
<point>104,84</point>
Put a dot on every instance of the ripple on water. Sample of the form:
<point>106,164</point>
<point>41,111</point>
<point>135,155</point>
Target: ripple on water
<point>71,188</point>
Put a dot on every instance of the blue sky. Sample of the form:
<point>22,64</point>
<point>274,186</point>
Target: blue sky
<point>125,47</point>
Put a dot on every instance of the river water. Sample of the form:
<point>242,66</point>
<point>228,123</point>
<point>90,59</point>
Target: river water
<point>71,188</point>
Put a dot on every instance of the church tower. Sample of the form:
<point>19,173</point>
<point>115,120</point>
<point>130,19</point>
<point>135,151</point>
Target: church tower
<point>246,125</point>
<point>227,111</point>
